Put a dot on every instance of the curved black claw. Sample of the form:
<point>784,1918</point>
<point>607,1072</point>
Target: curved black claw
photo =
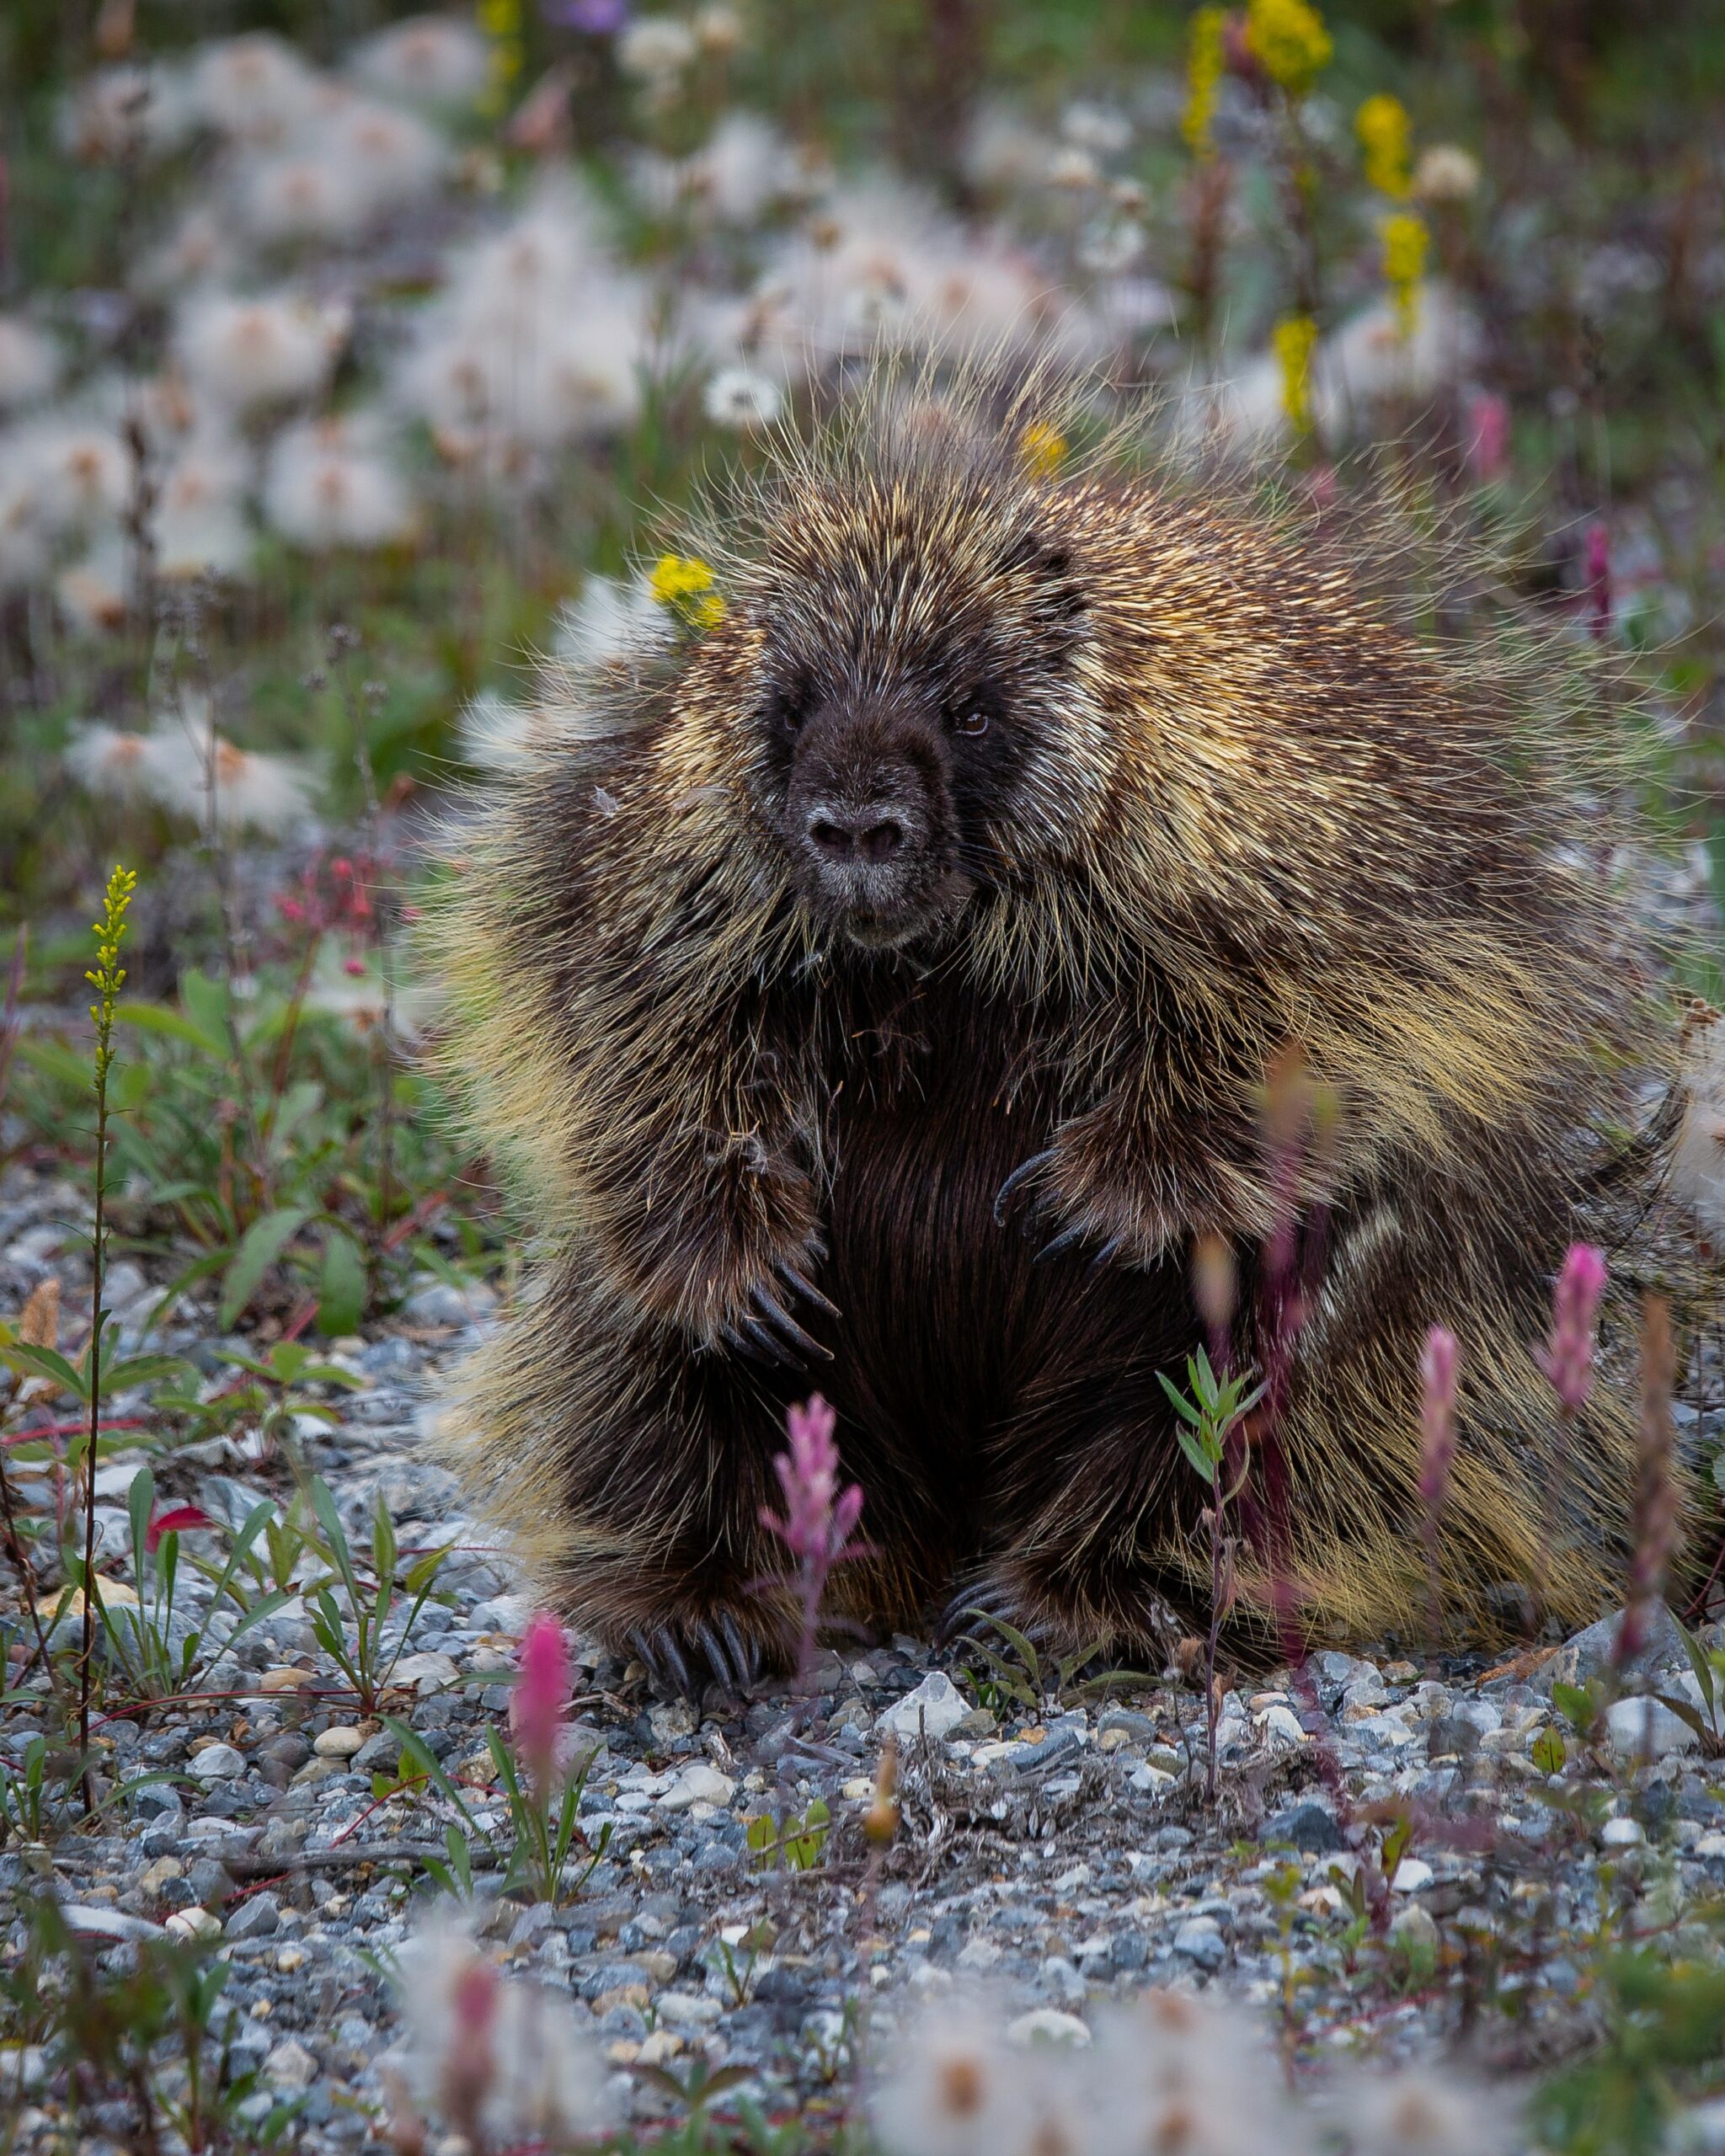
<point>745,1652</point>
<point>807,1290</point>
<point>982,1598</point>
<point>1020,1175</point>
<point>1068,1238</point>
<point>752,1347</point>
<point>717,1661</point>
<point>1111,1249</point>
<point>788,1333</point>
<point>682,1659</point>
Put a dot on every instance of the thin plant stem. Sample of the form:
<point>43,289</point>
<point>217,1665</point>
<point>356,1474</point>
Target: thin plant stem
<point>106,977</point>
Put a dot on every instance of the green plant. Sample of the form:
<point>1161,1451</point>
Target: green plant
<point>795,1841</point>
<point>354,1643</point>
<point>107,976</point>
<point>24,1811</point>
<point>157,1656</point>
<point>1023,1677</point>
<point>1211,1412</point>
<point>1664,2035</point>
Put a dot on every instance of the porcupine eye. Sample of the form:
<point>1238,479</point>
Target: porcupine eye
<point>968,719</point>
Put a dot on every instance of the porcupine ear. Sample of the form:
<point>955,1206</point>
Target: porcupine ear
<point>1049,561</point>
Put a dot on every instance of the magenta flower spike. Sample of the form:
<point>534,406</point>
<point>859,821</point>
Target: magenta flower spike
<point>1568,1361</point>
<point>1437,1368</point>
<point>540,1695</point>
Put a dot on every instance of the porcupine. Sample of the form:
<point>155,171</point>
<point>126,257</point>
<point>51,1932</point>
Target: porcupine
<point>966,863</point>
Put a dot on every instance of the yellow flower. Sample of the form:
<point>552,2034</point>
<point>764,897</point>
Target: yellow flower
<point>684,583</point>
<point>1404,242</point>
<point>1386,135</point>
<point>1205,62</point>
<point>1294,337</point>
<point>1042,448</point>
<point>501,22</point>
<point>1288,39</point>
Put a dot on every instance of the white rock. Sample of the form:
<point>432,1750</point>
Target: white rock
<point>1281,1726</point>
<point>937,1707</point>
<point>1412,1873</point>
<point>1146,1779</point>
<point>1643,1729</point>
<point>980,1954</point>
<point>427,1673</point>
<point>218,1763</point>
<point>1047,2024</point>
<point>291,2065</point>
<point>97,1922</point>
<point>340,1742</point>
<point>698,1784</point>
<point>195,1924</point>
<point>1621,1833</point>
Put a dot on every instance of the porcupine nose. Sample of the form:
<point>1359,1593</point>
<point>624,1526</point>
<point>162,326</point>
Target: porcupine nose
<point>873,831</point>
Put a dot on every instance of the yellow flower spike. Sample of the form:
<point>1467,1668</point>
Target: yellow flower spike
<point>1386,137</point>
<point>108,976</point>
<point>1205,59</point>
<point>1404,242</point>
<point>684,583</point>
<point>1293,340</point>
<point>501,22</point>
<point>1288,39</point>
<point>1042,448</point>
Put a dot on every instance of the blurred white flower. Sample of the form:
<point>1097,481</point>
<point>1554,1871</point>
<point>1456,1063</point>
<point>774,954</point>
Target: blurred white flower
<point>247,353</point>
<point>717,29</point>
<point>1355,368</point>
<point>655,47</point>
<point>199,526</point>
<point>882,260</point>
<point>1111,245</point>
<point>254,86</point>
<point>81,471</point>
<point>504,2060</point>
<point>300,194</point>
<point>952,2087</point>
<point>394,156</point>
<point>329,484</point>
<point>92,592</point>
<point>1004,153</point>
<point>738,397</point>
<point>1095,127</point>
<point>118,765</point>
<point>29,361</point>
<point>26,546</point>
<point>745,168</point>
<point>1418,2112</point>
<point>124,112</point>
<point>1073,168</point>
<point>199,250</point>
<point>435,60</point>
<point>1445,173</point>
<point>191,762</point>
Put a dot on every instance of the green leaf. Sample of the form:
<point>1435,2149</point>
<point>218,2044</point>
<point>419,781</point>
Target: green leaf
<point>341,1286</point>
<point>1577,1706</point>
<point>160,1018</point>
<point>140,1503</point>
<point>206,1001</point>
<point>1182,1407</point>
<point>259,1247</point>
<point>46,1362</point>
<point>1549,1751</point>
<point>141,1369</point>
<point>1197,1451</point>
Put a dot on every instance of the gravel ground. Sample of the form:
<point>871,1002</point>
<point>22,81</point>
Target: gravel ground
<point>1062,1854</point>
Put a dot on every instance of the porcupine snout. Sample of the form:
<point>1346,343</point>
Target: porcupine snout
<point>867,816</point>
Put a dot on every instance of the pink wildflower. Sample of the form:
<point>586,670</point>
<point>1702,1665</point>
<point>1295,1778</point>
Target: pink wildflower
<point>469,2065</point>
<point>1437,1415</point>
<point>175,1521</point>
<point>541,1694</point>
<point>816,1525</point>
<point>1568,1361</point>
<point>819,1518</point>
<point>1488,436</point>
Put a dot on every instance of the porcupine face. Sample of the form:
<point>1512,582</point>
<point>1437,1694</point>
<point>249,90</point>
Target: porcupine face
<point>911,669</point>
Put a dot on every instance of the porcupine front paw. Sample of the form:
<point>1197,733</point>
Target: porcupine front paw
<point>686,1652</point>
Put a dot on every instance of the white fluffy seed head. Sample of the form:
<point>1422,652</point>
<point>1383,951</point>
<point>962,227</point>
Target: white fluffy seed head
<point>253,88</point>
<point>245,353</point>
<point>432,60</point>
<point>30,362</point>
<point>326,486</point>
